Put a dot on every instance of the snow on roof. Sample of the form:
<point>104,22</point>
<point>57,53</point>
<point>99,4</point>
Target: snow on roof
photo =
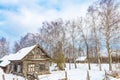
<point>6,57</point>
<point>22,53</point>
<point>18,56</point>
<point>82,58</point>
<point>4,63</point>
<point>5,60</point>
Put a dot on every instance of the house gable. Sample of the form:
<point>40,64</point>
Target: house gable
<point>36,54</point>
<point>33,52</point>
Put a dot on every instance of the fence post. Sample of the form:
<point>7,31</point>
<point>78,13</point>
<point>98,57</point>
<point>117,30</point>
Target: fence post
<point>66,75</point>
<point>13,78</point>
<point>106,77</point>
<point>88,76</point>
<point>3,76</point>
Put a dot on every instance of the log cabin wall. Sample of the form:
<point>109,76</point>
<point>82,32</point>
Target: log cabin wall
<point>35,67</point>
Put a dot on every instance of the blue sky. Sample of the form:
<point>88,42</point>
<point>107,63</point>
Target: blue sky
<point>17,17</point>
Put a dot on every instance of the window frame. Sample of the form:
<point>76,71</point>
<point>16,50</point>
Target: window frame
<point>42,67</point>
<point>31,67</point>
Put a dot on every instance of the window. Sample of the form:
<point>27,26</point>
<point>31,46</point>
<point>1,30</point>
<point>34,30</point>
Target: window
<point>31,67</point>
<point>19,68</point>
<point>42,67</point>
<point>14,68</point>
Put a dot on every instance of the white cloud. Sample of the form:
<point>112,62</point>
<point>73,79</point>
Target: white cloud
<point>8,2</point>
<point>30,14</point>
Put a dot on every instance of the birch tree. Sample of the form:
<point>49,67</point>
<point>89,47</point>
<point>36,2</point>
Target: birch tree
<point>83,29</point>
<point>53,36</point>
<point>94,28</point>
<point>109,19</point>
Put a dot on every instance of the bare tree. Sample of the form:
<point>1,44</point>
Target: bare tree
<point>109,19</point>
<point>29,39</point>
<point>16,47</point>
<point>94,28</point>
<point>68,54</point>
<point>4,47</point>
<point>84,34</point>
<point>52,33</point>
<point>54,38</point>
<point>73,34</point>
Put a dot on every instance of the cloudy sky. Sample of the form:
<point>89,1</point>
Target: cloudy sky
<point>17,17</point>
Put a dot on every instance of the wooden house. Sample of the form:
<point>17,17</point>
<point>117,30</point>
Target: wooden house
<point>29,60</point>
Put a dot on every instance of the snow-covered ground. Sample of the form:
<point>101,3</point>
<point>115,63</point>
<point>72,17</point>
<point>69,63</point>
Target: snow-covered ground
<point>80,73</point>
<point>9,76</point>
<point>74,74</point>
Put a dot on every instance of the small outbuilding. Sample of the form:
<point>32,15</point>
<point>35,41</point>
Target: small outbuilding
<point>81,59</point>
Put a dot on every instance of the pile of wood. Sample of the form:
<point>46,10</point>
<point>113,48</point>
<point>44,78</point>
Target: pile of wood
<point>114,74</point>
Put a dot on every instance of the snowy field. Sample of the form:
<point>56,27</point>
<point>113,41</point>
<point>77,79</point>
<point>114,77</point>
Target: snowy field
<point>80,73</point>
<point>9,76</point>
<point>74,74</point>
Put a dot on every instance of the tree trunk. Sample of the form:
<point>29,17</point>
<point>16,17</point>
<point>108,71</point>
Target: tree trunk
<point>3,77</point>
<point>88,76</point>
<point>109,55</point>
<point>75,64</point>
<point>89,67</point>
<point>99,62</point>
<point>69,65</point>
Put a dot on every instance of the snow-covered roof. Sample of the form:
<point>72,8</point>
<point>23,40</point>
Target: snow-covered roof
<point>22,53</point>
<point>6,57</point>
<point>82,58</point>
<point>5,60</point>
<point>4,63</point>
<point>18,56</point>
